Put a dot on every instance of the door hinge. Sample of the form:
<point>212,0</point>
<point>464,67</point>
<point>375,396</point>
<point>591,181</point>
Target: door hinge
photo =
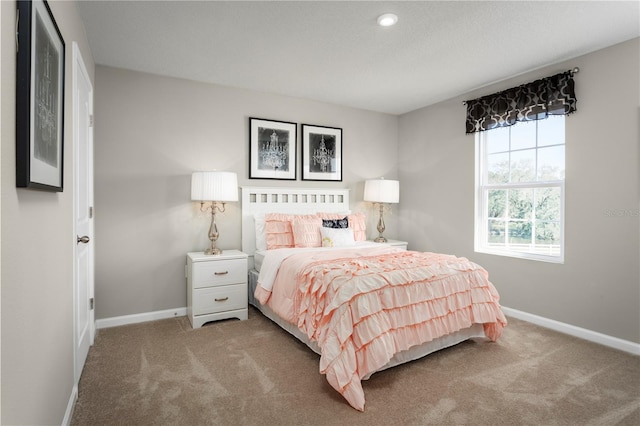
<point>17,30</point>
<point>91,304</point>
<point>91,212</point>
<point>90,120</point>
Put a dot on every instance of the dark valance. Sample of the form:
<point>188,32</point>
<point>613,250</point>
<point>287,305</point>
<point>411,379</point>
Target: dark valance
<point>532,101</point>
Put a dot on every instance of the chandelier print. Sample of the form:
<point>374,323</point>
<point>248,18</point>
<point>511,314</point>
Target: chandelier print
<point>46,99</point>
<point>323,153</point>
<point>322,156</point>
<point>273,153</point>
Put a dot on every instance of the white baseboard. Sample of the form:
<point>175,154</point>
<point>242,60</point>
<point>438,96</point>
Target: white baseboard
<point>137,318</point>
<point>70,406</point>
<point>583,333</point>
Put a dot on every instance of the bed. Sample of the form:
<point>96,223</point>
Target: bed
<point>363,306</point>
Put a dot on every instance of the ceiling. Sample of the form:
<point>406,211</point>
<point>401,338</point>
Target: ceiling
<point>334,51</point>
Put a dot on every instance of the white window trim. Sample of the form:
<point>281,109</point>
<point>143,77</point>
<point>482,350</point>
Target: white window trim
<point>480,219</point>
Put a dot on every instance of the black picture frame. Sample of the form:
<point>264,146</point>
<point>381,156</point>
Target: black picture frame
<point>272,149</point>
<point>321,153</point>
<point>39,98</point>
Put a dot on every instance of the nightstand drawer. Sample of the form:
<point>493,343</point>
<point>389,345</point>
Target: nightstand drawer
<point>222,272</point>
<point>219,299</point>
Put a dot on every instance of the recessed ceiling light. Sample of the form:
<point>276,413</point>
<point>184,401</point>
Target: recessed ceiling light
<point>387,20</point>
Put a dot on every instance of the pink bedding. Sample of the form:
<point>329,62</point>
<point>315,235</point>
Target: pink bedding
<point>362,309</point>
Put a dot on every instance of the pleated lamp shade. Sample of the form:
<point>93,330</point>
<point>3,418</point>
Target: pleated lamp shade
<point>382,191</point>
<point>214,186</point>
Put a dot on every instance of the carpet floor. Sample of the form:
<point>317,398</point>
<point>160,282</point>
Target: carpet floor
<point>254,373</point>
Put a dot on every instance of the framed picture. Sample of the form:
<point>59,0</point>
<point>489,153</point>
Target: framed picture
<point>321,153</point>
<point>272,149</point>
<point>39,98</point>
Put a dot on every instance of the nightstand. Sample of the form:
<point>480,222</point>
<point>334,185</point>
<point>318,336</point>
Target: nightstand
<point>216,287</point>
<point>396,243</point>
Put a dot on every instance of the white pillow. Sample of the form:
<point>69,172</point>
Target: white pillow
<point>337,237</point>
<point>261,234</point>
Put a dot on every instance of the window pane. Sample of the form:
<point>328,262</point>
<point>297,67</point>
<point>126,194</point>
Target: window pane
<point>498,168</point>
<point>547,238</point>
<point>548,204</point>
<point>523,135</point>
<point>497,140</point>
<point>547,233</point>
<point>551,163</point>
<point>551,131</point>
<point>523,166</point>
<point>496,232</point>
<point>497,203</point>
<point>520,203</point>
<point>519,235</point>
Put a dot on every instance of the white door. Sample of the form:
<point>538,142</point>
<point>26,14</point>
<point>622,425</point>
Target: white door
<point>83,319</point>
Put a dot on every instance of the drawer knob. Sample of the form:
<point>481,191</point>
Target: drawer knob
<point>222,299</point>
<point>221,273</point>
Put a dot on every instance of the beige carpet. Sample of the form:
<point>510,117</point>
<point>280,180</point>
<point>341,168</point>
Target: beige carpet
<point>253,373</point>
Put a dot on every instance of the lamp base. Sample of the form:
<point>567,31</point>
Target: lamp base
<point>213,231</point>
<point>380,227</point>
<point>213,251</point>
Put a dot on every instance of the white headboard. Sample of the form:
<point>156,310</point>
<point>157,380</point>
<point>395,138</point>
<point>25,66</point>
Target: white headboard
<point>286,200</point>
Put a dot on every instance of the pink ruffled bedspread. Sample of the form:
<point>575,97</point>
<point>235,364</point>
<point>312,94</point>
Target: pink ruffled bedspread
<point>363,310</point>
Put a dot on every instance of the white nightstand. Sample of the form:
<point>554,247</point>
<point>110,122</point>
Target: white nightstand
<point>396,243</point>
<point>216,287</point>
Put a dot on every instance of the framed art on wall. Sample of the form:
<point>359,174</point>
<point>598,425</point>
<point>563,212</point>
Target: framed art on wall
<point>321,153</point>
<point>272,149</point>
<point>39,98</point>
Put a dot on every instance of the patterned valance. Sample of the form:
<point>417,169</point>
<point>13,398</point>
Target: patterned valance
<point>532,101</point>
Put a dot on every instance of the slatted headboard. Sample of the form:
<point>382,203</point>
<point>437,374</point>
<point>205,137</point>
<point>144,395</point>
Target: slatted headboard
<point>286,200</point>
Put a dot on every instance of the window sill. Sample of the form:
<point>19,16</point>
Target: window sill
<point>520,255</point>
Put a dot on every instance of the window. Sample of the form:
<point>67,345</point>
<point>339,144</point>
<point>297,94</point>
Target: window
<point>520,190</point>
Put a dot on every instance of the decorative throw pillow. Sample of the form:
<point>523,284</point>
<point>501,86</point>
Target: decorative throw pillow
<point>337,237</point>
<point>336,223</point>
<point>357,223</point>
<point>306,231</point>
<point>278,231</point>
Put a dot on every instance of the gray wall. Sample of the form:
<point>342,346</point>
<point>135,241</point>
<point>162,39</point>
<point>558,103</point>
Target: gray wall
<point>598,286</point>
<point>37,254</point>
<point>152,132</point>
